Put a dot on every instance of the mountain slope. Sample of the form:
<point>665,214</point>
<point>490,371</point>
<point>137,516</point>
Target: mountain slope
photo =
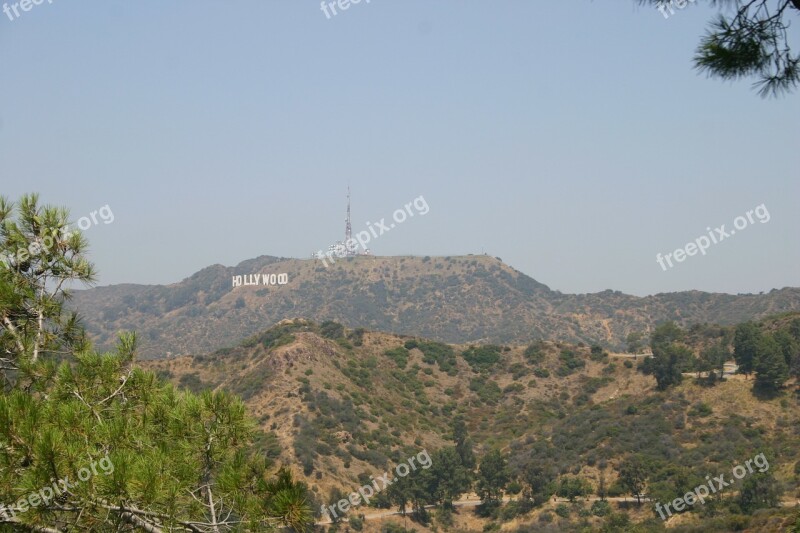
<point>347,404</point>
<point>451,299</point>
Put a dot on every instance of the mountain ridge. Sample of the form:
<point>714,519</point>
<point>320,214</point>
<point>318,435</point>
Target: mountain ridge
<point>454,299</point>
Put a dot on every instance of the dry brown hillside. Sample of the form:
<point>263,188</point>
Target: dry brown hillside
<point>359,401</point>
<point>451,299</point>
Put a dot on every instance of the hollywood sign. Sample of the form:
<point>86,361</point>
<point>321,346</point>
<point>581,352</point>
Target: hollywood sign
<point>260,279</point>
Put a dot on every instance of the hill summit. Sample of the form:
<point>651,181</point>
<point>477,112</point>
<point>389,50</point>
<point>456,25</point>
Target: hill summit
<point>459,299</point>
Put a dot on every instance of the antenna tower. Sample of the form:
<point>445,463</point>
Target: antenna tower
<point>348,229</point>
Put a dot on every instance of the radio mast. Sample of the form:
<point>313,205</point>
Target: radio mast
<point>348,229</point>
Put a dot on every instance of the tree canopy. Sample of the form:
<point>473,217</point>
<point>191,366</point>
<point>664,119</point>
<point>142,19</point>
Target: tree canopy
<point>169,460</point>
<point>750,41</point>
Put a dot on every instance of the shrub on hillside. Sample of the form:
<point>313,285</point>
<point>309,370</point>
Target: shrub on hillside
<point>482,357</point>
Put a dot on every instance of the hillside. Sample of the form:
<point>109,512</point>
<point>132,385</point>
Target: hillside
<point>344,404</point>
<point>450,299</point>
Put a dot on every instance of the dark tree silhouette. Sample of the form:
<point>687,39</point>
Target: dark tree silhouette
<point>750,41</point>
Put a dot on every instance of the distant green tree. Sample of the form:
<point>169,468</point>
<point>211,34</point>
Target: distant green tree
<point>770,366</point>
<point>400,493</point>
<point>573,487</point>
<point>670,356</point>
<point>534,353</point>
<point>335,496</point>
<point>665,334</point>
<point>602,488</point>
<point>450,478</point>
<point>794,329</point>
<point>633,476</point>
<point>759,491</point>
<point>667,364</point>
<point>745,347</point>
<point>713,359</point>
<point>331,330</point>
<point>482,357</point>
<point>463,443</point>
<point>789,346</point>
<point>493,476</point>
<point>635,342</point>
<point>540,477</point>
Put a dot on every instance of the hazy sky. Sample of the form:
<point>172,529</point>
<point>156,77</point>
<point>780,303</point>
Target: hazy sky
<point>572,139</point>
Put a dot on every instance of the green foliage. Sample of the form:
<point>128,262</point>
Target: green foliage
<point>540,482</point>
<point>163,446</point>
<point>463,443</point>
<point>573,487</point>
<point>633,475</point>
<point>770,365</point>
<point>493,476</point>
<point>331,330</point>
<point>597,353</point>
<point>438,353</point>
<point>391,527</point>
<point>570,361</point>
<point>601,508</point>
<point>665,334</point>
<point>759,491</point>
<point>635,342</point>
<point>752,43</point>
<point>700,409</point>
<point>535,353</point>
<point>487,390</point>
<point>448,477</point>
<point>357,336</point>
<point>518,371</point>
<point>40,258</point>
<point>271,445</point>
<point>278,335</point>
<point>670,356</point>
<point>399,355</point>
<point>192,382</point>
<point>616,522</point>
<point>356,521</point>
<point>745,346</point>
<point>712,360</point>
<point>482,357</point>
<point>251,383</point>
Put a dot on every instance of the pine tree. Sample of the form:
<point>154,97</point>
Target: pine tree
<point>493,476</point>
<point>90,442</point>
<point>771,368</point>
<point>752,41</point>
<point>633,475</point>
<point>745,347</point>
<point>40,258</point>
